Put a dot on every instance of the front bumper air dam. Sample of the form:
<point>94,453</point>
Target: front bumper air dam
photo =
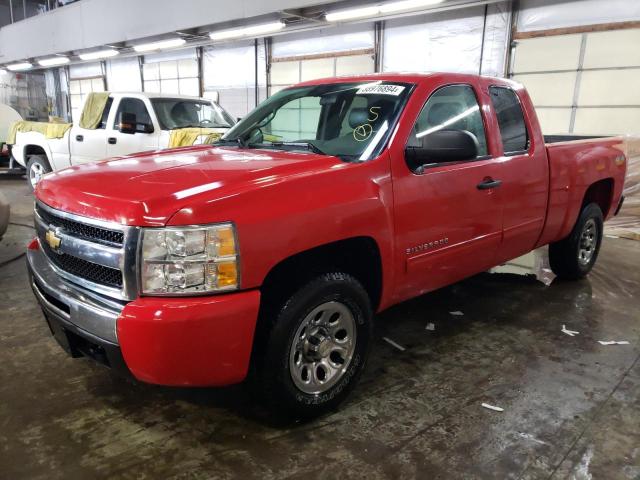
<point>197,341</point>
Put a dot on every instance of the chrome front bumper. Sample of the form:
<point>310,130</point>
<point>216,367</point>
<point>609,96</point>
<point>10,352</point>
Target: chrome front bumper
<point>91,314</point>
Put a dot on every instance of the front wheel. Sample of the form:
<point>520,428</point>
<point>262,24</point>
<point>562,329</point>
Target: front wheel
<point>317,346</point>
<point>37,167</point>
<point>575,256</point>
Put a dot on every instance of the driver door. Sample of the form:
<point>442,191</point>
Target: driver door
<point>146,136</point>
<point>448,222</point>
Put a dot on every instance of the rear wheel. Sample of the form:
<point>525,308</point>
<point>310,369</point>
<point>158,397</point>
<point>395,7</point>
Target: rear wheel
<point>36,168</point>
<point>575,256</point>
<point>315,350</point>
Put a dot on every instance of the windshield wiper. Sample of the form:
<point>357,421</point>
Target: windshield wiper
<point>308,145</point>
<point>236,142</point>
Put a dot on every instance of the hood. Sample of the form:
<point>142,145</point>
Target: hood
<point>147,189</point>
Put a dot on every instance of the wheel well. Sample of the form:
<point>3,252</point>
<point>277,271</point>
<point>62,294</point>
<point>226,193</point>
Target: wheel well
<point>600,193</point>
<point>34,150</point>
<point>358,256</point>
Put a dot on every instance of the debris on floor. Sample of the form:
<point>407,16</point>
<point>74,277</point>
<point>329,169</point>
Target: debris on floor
<point>430,326</point>
<point>613,342</point>
<point>457,313</point>
<point>493,407</point>
<point>528,436</point>
<point>571,333</point>
<point>394,344</point>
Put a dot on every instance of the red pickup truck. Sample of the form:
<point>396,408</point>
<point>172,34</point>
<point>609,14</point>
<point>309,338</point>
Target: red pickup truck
<point>267,254</point>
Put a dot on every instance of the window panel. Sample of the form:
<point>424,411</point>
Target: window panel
<point>189,86</point>
<point>151,71</point>
<point>152,86</point>
<point>618,48</point>
<point>547,53</point>
<point>610,87</point>
<point>168,69</point>
<point>169,86</point>
<point>513,130</point>
<point>354,65</point>
<point>85,86</point>
<point>607,121</point>
<point>554,121</point>
<point>97,85</point>
<point>139,109</point>
<point>550,89</point>
<point>187,68</point>
<point>74,86</point>
<point>285,73</point>
<point>453,108</point>
<point>317,68</point>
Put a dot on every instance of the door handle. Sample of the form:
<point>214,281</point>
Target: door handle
<point>112,140</point>
<point>488,184</point>
<point>79,138</point>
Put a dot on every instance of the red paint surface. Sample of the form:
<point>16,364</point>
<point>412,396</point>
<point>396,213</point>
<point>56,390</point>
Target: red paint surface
<point>190,341</point>
<point>284,202</point>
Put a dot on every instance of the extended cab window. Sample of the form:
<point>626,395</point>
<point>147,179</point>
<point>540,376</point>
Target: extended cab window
<point>513,130</point>
<point>137,107</point>
<point>454,107</point>
<point>105,114</point>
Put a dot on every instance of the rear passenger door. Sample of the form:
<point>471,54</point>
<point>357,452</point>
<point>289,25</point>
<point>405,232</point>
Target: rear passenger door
<point>146,136</point>
<point>524,174</point>
<point>448,222</point>
<point>90,145</point>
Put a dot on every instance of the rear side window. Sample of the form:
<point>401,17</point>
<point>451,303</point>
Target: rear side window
<point>105,114</point>
<point>453,107</point>
<point>513,130</point>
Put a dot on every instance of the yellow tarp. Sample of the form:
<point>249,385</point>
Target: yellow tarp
<point>49,130</point>
<point>92,111</point>
<point>184,137</point>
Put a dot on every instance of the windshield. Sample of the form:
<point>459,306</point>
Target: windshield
<point>181,113</point>
<point>349,120</point>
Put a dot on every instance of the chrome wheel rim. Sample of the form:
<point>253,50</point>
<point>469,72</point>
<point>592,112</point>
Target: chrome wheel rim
<point>588,242</point>
<point>322,348</point>
<point>35,173</point>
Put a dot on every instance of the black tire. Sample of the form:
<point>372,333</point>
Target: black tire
<point>274,376</point>
<point>37,166</point>
<point>567,256</point>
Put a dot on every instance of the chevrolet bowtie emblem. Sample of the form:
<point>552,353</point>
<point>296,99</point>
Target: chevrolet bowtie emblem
<point>52,239</point>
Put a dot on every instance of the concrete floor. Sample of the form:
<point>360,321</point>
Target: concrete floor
<point>571,406</point>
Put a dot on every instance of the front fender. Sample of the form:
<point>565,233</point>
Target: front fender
<point>291,215</point>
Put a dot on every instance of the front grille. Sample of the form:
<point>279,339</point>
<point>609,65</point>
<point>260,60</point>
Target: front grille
<point>82,230</point>
<point>81,268</point>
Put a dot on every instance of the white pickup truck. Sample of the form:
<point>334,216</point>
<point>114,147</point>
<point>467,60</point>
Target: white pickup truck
<point>130,123</point>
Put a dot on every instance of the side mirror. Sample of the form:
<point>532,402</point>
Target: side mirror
<point>443,146</point>
<point>127,123</point>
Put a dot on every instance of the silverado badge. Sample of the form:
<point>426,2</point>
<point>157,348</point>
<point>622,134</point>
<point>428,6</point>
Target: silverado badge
<point>53,240</point>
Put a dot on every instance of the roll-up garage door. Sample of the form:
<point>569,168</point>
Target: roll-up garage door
<point>582,83</point>
<point>330,52</point>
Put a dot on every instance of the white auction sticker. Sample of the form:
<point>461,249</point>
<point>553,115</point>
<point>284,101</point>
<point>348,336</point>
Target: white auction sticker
<point>378,89</point>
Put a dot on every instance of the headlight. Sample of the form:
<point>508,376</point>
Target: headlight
<point>189,260</point>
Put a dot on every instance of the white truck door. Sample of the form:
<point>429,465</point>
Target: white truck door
<point>89,145</point>
<point>147,130</point>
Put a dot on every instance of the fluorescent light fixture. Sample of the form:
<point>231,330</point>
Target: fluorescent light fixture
<point>99,54</point>
<point>251,31</point>
<point>16,67</point>
<point>53,61</point>
<point>352,13</point>
<point>393,7</point>
<point>161,45</point>
<point>407,5</point>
